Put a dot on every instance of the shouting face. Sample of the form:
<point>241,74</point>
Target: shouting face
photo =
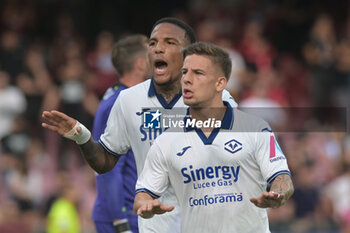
<point>165,53</point>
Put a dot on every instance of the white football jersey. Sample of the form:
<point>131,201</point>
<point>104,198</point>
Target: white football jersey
<point>125,131</point>
<point>215,177</point>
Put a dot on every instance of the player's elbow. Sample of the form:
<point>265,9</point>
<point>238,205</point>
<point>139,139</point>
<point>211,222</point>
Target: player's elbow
<point>102,169</point>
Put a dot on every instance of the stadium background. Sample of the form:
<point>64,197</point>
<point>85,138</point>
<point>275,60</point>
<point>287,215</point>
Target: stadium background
<point>56,55</point>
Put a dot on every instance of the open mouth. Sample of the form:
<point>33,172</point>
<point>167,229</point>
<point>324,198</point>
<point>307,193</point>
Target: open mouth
<point>187,93</point>
<point>160,66</point>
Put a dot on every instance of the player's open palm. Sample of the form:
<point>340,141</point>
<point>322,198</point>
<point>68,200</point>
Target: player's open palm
<point>58,122</point>
<point>152,207</point>
<point>268,200</point>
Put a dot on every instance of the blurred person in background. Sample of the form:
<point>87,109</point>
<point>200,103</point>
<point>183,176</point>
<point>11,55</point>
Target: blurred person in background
<point>238,73</point>
<point>11,218</point>
<point>66,43</point>
<point>113,212</point>
<point>306,198</point>
<point>37,84</point>
<point>319,54</point>
<point>295,79</point>
<point>341,89</point>
<point>19,16</point>
<point>99,61</point>
<point>257,51</point>
<point>63,214</point>
<point>28,173</point>
<point>336,193</point>
<point>262,102</point>
<point>11,53</point>
<point>12,104</point>
<point>77,99</point>
<point>207,30</point>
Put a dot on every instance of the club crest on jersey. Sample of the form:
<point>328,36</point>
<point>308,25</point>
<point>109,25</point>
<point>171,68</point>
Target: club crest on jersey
<point>233,146</point>
<point>151,119</point>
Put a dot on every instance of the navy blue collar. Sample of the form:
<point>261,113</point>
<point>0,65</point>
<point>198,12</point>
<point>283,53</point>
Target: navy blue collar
<point>162,101</point>
<point>151,90</point>
<point>226,123</point>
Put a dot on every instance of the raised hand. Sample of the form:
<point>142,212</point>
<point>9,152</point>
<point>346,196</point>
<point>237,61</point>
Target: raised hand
<point>268,200</point>
<point>152,207</point>
<point>58,122</point>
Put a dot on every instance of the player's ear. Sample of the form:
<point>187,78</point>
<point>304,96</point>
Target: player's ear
<point>221,83</point>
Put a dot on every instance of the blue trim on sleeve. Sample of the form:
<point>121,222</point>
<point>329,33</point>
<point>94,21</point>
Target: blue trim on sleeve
<point>269,180</point>
<point>144,190</point>
<point>107,149</point>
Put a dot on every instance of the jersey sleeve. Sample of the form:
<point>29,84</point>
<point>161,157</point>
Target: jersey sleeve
<point>269,155</point>
<point>228,98</point>
<point>154,178</point>
<point>115,138</point>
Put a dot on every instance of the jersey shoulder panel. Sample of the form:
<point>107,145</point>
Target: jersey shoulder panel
<point>138,90</point>
<point>246,122</point>
<point>167,138</point>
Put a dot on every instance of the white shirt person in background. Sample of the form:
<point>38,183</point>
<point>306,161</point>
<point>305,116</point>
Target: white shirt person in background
<point>12,104</point>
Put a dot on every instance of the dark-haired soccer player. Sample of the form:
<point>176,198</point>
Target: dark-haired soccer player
<point>124,129</point>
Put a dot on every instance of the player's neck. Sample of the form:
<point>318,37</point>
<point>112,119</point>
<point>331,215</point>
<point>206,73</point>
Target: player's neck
<point>208,112</point>
<point>215,112</point>
<point>130,80</point>
<point>168,91</point>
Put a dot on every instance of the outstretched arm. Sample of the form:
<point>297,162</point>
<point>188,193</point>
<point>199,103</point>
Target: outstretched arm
<point>281,190</point>
<point>146,207</point>
<point>96,156</point>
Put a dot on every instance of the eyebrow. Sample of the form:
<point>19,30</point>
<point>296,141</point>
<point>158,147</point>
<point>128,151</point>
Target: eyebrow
<point>194,69</point>
<point>198,69</point>
<point>166,39</point>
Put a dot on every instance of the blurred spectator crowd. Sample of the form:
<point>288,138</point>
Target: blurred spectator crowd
<point>286,55</point>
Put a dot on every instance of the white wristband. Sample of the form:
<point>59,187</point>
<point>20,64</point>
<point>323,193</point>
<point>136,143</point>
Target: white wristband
<point>79,137</point>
